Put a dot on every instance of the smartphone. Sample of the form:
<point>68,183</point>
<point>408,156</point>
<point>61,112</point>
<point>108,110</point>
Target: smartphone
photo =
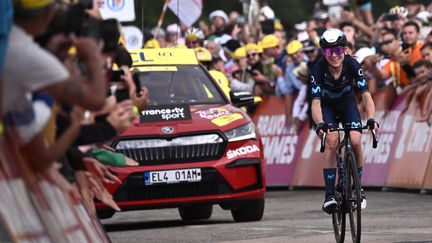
<point>405,46</point>
<point>116,75</point>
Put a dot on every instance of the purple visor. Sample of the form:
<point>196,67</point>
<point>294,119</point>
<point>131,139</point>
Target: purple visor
<point>338,51</point>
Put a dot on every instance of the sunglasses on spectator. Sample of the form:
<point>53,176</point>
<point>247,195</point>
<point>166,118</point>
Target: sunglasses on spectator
<point>338,51</point>
<point>250,55</point>
<point>386,42</point>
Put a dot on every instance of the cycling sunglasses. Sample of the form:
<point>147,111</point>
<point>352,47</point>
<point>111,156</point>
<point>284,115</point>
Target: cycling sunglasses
<point>338,51</point>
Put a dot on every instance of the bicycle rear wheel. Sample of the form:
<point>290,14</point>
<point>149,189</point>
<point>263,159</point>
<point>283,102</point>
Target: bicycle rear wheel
<point>353,197</point>
<point>339,219</point>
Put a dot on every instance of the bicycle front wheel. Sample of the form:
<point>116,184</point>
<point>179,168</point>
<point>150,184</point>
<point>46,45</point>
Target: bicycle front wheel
<point>339,219</point>
<point>353,197</point>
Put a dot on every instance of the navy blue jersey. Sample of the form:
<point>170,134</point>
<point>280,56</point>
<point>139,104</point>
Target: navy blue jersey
<point>326,88</point>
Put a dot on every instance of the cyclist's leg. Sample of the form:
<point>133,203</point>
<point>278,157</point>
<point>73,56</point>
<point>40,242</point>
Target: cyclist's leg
<point>351,115</point>
<point>329,171</point>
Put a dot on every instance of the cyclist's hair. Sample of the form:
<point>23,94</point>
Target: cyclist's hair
<point>426,45</point>
<point>412,23</point>
<point>421,63</point>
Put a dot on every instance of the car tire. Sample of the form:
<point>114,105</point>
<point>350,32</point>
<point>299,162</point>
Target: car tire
<point>251,211</point>
<point>105,214</point>
<point>195,212</point>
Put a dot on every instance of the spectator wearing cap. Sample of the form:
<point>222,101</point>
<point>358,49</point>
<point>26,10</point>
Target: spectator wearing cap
<point>228,50</point>
<point>219,20</point>
<point>291,83</point>
<point>255,68</point>
<point>241,79</point>
<point>366,57</point>
<point>312,53</point>
<point>270,45</point>
<point>194,38</point>
<point>173,35</point>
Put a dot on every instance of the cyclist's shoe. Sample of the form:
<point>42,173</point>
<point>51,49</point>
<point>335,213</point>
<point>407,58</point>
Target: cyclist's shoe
<point>363,197</point>
<point>330,204</point>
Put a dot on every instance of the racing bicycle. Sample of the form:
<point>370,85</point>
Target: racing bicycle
<point>348,187</point>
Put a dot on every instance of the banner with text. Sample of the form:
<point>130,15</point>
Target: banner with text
<point>281,145</point>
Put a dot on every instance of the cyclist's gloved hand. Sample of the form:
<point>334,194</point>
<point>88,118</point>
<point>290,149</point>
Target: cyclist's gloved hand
<point>322,126</point>
<point>371,123</point>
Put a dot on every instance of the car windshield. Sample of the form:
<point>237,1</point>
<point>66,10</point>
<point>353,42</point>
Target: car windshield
<point>179,84</point>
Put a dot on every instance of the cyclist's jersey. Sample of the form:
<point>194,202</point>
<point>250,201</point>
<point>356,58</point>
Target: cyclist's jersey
<point>329,90</point>
<point>337,96</point>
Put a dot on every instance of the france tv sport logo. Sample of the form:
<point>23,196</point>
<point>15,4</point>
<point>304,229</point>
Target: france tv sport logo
<point>115,5</point>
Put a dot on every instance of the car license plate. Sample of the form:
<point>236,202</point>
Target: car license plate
<point>172,176</point>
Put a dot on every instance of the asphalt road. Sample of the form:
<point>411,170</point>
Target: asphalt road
<point>290,216</point>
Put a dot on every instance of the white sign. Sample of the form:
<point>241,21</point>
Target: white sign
<point>122,10</point>
<point>133,37</point>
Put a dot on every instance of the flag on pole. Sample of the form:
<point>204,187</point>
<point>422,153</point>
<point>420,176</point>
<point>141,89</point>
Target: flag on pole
<point>188,12</point>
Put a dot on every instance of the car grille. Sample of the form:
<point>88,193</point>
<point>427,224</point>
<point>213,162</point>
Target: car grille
<point>134,189</point>
<point>175,153</point>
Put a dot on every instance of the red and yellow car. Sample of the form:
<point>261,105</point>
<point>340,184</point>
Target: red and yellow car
<point>195,146</point>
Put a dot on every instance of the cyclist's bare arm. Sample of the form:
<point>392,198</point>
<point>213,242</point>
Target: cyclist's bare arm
<point>369,104</point>
<point>316,111</point>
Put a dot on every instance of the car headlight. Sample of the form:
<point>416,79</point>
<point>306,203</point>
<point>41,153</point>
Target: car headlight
<point>241,133</point>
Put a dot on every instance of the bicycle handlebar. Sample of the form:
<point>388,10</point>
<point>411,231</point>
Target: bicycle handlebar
<point>339,129</point>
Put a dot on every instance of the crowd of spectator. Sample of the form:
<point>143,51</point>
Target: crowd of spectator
<point>267,58</point>
<point>60,99</point>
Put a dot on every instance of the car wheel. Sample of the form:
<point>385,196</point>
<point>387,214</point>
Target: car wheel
<point>195,212</point>
<point>105,214</point>
<point>251,211</point>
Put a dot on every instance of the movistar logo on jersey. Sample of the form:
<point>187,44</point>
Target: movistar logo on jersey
<point>316,90</point>
<point>355,124</point>
<point>361,83</point>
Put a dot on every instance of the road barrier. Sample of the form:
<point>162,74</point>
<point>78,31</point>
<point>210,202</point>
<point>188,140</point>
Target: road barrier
<point>33,209</point>
<point>403,158</point>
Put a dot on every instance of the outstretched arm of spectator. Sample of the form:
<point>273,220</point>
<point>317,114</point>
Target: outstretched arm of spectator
<point>40,156</point>
<point>349,15</point>
<point>289,101</point>
<point>86,91</point>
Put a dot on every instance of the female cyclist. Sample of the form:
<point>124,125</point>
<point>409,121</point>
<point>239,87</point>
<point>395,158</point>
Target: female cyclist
<point>333,81</point>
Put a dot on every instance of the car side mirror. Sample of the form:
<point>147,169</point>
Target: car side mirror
<point>241,98</point>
